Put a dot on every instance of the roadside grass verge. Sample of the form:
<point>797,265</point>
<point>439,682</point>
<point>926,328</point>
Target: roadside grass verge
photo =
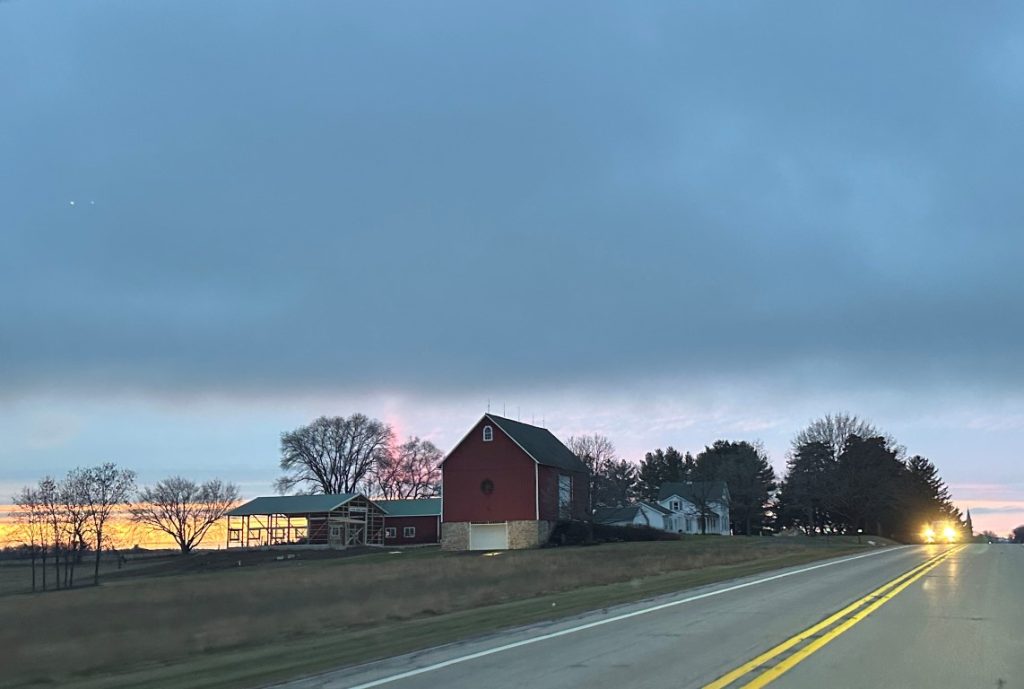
<point>235,629</point>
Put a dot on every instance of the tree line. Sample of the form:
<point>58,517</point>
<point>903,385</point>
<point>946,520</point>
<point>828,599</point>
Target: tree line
<point>61,522</point>
<point>358,454</point>
<point>842,475</point>
<point>743,466</point>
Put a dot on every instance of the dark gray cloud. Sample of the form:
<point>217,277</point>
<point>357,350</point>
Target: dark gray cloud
<point>453,196</point>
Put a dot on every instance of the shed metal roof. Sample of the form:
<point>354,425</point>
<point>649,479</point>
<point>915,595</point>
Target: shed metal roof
<point>292,504</point>
<point>421,507</point>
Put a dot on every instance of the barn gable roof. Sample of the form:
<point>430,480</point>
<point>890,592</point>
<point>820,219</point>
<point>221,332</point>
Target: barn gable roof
<point>695,491</point>
<point>420,507</point>
<point>540,444</point>
<point>292,504</point>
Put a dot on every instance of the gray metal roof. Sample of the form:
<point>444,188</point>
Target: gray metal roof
<point>612,515</point>
<point>695,491</point>
<point>292,504</point>
<point>421,507</point>
<point>540,444</point>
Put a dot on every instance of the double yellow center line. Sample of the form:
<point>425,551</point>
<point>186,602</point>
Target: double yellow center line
<point>763,671</point>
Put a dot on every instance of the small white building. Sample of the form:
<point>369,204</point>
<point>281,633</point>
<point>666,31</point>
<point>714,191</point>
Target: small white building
<point>696,507</point>
<point>636,514</point>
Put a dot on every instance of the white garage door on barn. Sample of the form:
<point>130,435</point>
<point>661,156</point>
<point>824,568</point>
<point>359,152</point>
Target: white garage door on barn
<point>488,536</point>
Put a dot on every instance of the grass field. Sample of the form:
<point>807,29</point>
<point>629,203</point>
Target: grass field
<point>226,626</point>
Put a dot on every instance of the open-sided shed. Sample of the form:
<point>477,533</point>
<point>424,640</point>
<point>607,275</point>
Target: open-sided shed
<point>336,521</point>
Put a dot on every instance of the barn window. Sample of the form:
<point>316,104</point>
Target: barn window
<point>488,434</point>
<point>674,506</point>
<point>390,532</point>
<point>564,496</point>
<point>409,532</point>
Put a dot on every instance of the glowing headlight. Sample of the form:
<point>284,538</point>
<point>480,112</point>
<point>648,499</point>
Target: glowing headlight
<point>950,533</point>
<point>929,534</point>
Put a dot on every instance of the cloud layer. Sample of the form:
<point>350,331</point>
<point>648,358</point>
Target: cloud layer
<point>331,198</point>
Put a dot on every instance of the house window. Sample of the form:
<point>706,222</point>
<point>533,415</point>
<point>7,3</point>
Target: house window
<point>390,532</point>
<point>674,506</point>
<point>564,496</point>
<point>488,434</point>
<point>409,532</point>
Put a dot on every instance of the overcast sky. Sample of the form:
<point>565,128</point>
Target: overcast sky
<point>668,223</point>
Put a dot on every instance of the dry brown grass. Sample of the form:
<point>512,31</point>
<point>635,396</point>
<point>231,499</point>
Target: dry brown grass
<point>160,619</point>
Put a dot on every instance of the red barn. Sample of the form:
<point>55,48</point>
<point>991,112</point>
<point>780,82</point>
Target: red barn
<point>409,522</point>
<point>506,484</point>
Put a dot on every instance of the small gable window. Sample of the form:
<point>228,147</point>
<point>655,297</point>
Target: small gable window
<point>488,434</point>
<point>674,506</point>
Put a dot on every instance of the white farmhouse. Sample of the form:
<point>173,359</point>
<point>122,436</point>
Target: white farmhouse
<point>637,514</point>
<point>696,507</point>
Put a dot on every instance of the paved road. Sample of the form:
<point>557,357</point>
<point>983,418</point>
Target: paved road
<point>921,616</point>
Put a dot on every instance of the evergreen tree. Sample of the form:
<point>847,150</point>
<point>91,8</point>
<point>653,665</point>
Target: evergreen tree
<point>660,467</point>
<point>747,474</point>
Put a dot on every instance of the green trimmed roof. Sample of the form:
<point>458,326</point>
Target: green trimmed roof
<point>292,504</point>
<point>421,507</point>
<point>540,444</point>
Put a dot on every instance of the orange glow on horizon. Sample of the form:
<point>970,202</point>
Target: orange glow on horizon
<point>121,533</point>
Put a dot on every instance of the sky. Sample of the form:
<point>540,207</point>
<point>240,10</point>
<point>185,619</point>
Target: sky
<point>668,223</point>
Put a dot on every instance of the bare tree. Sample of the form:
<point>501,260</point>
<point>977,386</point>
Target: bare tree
<point>31,519</point>
<point>595,451</point>
<point>834,430</point>
<point>333,454</point>
<point>74,501</point>
<point>48,495</point>
<point>108,488</point>
<point>411,470</point>
<point>184,509</point>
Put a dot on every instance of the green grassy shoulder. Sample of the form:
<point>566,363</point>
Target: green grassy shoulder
<point>611,574</point>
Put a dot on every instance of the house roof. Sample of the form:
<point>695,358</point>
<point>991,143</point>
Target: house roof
<point>540,444</point>
<point>694,491</point>
<point>612,515</point>
<point>422,507</point>
<point>292,504</point>
<point>657,508</point>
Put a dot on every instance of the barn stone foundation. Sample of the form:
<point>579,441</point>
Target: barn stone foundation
<point>528,534</point>
<point>521,534</point>
<point>454,535</point>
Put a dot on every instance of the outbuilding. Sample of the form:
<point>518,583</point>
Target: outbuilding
<point>336,521</point>
<point>411,522</point>
<point>506,484</point>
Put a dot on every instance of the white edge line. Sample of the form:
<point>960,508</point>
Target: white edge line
<point>608,620</point>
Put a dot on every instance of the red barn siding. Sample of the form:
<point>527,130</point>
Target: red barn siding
<point>548,494</point>
<point>426,530</point>
<point>507,466</point>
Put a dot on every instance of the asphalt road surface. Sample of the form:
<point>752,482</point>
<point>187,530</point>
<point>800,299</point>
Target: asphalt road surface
<point>892,618</point>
